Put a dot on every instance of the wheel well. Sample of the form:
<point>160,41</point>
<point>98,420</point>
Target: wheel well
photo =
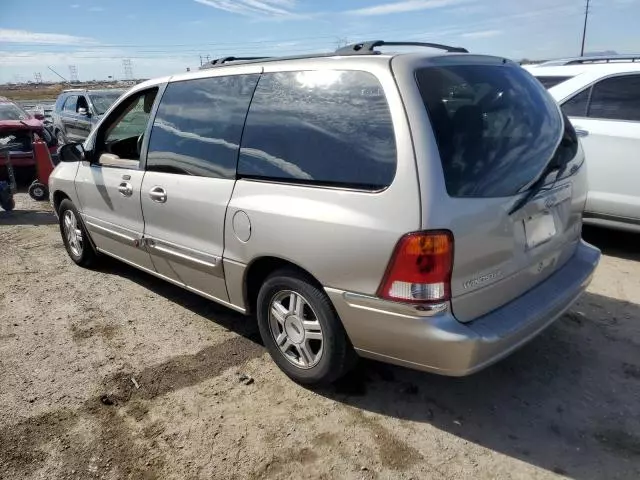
<point>259,270</point>
<point>58,197</point>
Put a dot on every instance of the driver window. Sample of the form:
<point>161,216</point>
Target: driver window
<point>120,141</point>
<point>82,103</point>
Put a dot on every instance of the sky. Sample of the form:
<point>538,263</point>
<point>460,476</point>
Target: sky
<point>161,37</point>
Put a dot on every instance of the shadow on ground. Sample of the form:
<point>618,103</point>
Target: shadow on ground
<point>566,402</point>
<point>229,319</point>
<point>614,243</point>
<point>28,217</point>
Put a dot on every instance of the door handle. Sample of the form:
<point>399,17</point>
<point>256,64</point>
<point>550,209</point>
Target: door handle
<point>158,194</point>
<point>125,189</point>
<point>581,132</point>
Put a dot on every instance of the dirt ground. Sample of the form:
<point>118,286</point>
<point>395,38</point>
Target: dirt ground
<point>73,341</point>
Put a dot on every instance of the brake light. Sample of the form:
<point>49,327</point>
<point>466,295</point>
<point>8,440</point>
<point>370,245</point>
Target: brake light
<point>420,269</point>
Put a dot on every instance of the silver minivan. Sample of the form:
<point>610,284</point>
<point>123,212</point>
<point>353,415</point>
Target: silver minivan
<point>422,209</point>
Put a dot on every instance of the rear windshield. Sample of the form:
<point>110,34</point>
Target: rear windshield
<point>496,127</point>
<point>548,82</point>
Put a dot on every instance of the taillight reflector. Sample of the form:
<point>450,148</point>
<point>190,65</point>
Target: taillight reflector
<point>420,269</point>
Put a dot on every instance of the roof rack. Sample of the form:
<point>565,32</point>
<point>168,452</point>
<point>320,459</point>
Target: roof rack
<point>592,59</point>
<point>367,48</point>
<point>220,61</point>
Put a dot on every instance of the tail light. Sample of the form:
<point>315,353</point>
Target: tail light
<point>420,269</point>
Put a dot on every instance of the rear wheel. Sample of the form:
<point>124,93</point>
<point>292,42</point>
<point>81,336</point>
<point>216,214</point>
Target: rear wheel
<point>38,191</point>
<point>301,330</point>
<point>74,235</point>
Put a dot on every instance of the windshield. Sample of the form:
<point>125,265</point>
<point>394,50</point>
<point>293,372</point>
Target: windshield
<point>495,125</point>
<point>103,100</point>
<point>9,111</point>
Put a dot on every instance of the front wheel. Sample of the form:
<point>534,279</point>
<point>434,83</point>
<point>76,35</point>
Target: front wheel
<point>74,235</point>
<point>301,329</point>
<point>38,191</point>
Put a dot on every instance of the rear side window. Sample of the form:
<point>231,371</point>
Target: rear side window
<point>548,82</point>
<point>577,105</point>
<point>495,125</point>
<point>616,98</point>
<point>329,128</point>
<point>198,126</point>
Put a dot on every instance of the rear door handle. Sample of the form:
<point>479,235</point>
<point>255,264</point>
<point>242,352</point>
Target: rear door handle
<point>158,194</point>
<point>581,132</point>
<point>125,189</point>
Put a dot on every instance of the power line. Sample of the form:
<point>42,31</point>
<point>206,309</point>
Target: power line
<point>584,30</point>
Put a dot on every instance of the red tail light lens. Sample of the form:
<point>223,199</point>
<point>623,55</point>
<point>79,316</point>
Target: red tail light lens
<point>420,269</point>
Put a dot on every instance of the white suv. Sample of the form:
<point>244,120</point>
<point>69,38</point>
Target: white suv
<point>601,96</point>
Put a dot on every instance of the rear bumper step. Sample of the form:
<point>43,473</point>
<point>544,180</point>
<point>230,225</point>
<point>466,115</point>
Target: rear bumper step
<point>443,345</point>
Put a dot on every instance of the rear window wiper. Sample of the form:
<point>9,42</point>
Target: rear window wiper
<point>552,166</point>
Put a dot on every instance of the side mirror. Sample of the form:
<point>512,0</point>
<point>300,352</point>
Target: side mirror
<point>38,116</point>
<point>71,152</point>
<point>84,112</point>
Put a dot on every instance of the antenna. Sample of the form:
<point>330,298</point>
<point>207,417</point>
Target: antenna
<point>584,30</point>
<point>64,79</point>
<point>73,74</point>
<point>128,69</point>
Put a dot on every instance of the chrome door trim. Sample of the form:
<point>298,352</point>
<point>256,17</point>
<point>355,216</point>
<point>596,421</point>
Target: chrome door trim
<point>175,282</point>
<point>112,231</point>
<point>204,262</point>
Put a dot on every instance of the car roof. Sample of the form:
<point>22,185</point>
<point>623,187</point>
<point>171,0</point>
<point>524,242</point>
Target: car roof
<point>581,75</point>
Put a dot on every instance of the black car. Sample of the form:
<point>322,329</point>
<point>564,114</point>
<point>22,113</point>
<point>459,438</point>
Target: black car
<point>78,110</point>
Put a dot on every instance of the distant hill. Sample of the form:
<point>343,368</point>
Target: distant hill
<point>601,54</point>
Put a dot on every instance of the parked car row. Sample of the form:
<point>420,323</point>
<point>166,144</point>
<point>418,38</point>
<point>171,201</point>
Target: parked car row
<point>423,209</point>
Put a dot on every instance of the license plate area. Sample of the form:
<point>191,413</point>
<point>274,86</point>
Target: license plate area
<point>539,229</point>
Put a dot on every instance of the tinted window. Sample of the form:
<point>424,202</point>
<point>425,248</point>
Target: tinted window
<point>577,105</point>
<point>70,104</point>
<point>198,126</point>
<point>495,125</point>
<point>548,82</point>
<point>321,127</point>
<point>616,98</point>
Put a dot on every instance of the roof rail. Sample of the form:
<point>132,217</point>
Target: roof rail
<point>367,48</point>
<point>632,58</point>
<point>220,61</point>
<point>604,59</point>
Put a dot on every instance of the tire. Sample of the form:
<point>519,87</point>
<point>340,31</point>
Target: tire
<point>299,358</point>
<point>61,138</point>
<point>78,245</point>
<point>7,203</point>
<point>38,191</point>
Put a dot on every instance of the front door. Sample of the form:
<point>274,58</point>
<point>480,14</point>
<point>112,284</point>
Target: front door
<point>109,185</point>
<point>190,175</point>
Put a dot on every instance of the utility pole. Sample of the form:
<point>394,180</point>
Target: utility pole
<point>584,30</point>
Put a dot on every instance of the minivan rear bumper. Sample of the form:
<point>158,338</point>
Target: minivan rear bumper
<point>435,341</point>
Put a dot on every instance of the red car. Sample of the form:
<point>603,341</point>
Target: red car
<point>18,127</point>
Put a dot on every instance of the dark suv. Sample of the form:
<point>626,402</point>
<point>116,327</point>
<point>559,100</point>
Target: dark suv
<point>78,110</point>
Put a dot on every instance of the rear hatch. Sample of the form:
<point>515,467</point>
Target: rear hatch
<point>497,130</point>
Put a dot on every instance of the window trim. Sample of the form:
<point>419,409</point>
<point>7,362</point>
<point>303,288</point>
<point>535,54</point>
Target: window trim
<point>590,86</point>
